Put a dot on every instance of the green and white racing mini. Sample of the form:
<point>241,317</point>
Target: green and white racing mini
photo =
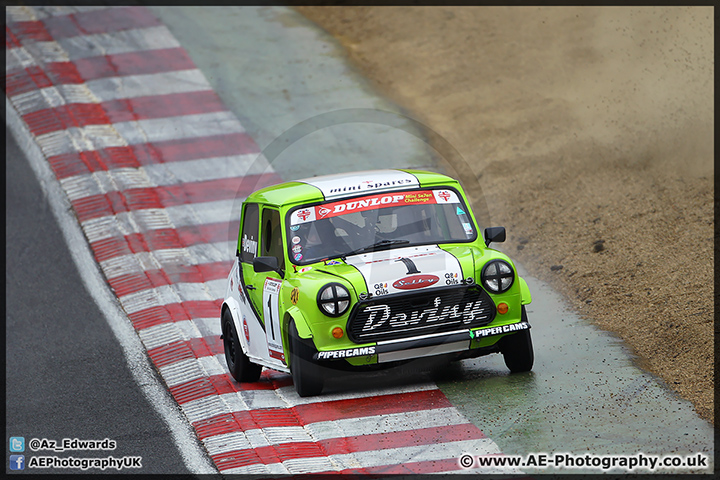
<point>368,268</point>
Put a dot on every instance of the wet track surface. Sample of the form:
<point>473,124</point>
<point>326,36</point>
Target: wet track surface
<point>584,395</point>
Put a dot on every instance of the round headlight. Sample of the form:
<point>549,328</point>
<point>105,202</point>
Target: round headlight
<point>497,276</point>
<point>333,299</point>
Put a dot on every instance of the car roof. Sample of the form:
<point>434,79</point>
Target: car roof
<point>343,185</point>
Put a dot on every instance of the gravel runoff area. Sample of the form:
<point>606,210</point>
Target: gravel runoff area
<point>591,132</point>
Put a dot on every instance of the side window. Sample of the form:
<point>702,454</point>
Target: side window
<point>272,245</point>
<point>248,242</point>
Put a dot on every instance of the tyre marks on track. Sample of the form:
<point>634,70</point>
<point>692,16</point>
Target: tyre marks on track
<point>152,163</point>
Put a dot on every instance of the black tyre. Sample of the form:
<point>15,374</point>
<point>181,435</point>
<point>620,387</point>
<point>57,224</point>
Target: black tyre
<point>240,366</point>
<point>517,349</point>
<point>306,374</point>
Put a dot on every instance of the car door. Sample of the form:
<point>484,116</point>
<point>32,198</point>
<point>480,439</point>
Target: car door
<point>263,288</point>
<point>251,328</point>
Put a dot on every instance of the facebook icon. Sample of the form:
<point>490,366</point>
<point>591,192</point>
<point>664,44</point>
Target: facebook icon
<point>17,462</point>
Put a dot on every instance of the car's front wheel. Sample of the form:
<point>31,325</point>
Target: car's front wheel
<point>240,366</point>
<point>517,349</point>
<point>306,374</point>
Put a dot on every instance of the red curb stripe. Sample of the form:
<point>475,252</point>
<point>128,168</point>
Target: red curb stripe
<point>249,420</point>
<point>11,41</point>
<point>112,203</point>
<point>161,106</point>
<point>175,312</point>
<point>26,80</point>
<point>62,73</point>
<point>267,455</point>
<point>64,117</point>
<point>94,68</point>
<point>185,350</point>
<point>49,120</point>
<point>163,239</point>
<point>218,385</point>
<point>29,31</point>
<point>134,63</point>
<point>132,283</point>
<point>380,405</point>
<point>70,164</point>
<point>112,19</point>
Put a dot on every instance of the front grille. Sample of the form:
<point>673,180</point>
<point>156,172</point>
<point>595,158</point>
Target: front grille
<point>408,315</point>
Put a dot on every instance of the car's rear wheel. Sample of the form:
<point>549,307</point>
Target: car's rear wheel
<point>306,374</point>
<point>240,366</point>
<point>517,349</point>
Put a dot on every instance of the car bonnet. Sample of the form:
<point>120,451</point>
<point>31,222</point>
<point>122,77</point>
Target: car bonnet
<point>409,269</point>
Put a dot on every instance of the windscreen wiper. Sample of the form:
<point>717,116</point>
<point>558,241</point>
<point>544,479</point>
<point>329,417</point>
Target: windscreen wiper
<point>375,246</point>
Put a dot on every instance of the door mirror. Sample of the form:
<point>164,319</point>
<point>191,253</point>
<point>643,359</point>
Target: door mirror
<point>494,234</point>
<point>267,264</point>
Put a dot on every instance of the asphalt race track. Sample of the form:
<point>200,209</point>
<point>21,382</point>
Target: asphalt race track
<point>154,141</point>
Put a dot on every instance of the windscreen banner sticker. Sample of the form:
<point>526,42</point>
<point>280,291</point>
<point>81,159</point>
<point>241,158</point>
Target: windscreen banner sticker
<point>271,315</point>
<point>372,202</point>
<point>488,332</point>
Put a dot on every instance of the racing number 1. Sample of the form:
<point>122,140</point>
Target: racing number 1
<point>271,300</point>
<point>269,311</point>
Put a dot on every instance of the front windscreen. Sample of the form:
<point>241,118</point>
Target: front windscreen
<point>373,222</point>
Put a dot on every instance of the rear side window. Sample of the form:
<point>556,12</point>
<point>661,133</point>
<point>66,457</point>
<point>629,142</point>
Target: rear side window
<point>248,242</point>
<point>272,244</point>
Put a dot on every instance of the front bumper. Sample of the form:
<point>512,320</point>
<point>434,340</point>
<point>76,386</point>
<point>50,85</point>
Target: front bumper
<point>422,346</point>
